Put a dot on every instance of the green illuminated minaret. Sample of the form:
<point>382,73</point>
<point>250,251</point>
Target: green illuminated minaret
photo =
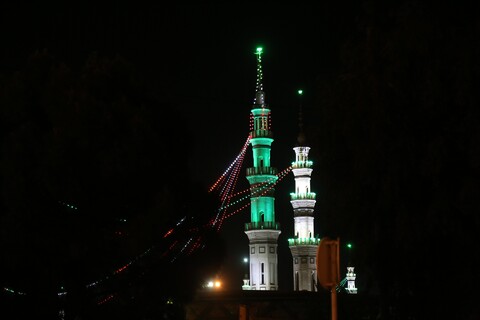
<point>263,230</point>
<point>305,244</point>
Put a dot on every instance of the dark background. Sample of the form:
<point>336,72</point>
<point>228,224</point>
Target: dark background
<point>390,111</point>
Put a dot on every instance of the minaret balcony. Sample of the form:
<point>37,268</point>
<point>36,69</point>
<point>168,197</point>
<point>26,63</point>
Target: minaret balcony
<point>261,171</point>
<point>261,134</point>
<point>302,164</point>
<point>303,196</point>
<point>262,225</point>
<point>304,241</point>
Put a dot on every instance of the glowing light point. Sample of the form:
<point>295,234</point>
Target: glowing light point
<point>259,50</point>
<point>300,92</point>
<point>349,245</point>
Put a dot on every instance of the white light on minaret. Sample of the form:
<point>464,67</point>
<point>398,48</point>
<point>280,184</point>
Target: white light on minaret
<point>304,244</point>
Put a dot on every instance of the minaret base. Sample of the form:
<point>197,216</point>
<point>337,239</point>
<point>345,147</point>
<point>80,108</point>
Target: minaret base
<point>304,267</point>
<point>263,259</point>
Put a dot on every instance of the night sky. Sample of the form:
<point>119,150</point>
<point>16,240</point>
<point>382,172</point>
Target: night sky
<point>390,111</point>
<point>200,58</point>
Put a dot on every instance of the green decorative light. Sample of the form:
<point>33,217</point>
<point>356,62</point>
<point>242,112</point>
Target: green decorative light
<point>300,92</point>
<point>349,245</point>
<point>259,50</point>
<point>303,241</point>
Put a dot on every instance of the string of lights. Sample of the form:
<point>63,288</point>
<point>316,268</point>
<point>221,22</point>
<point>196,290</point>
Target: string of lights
<point>233,183</point>
<point>265,190</point>
<point>236,165</point>
<point>259,84</point>
<point>261,187</point>
<point>224,174</point>
<point>229,180</point>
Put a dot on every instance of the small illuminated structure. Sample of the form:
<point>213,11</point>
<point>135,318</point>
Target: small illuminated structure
<point>246,284</point>
<point>351,281</point>
<point>304,244</point>
<point>263,229</point>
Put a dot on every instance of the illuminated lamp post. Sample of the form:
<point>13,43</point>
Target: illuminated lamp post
<point>246,278</point>
<point>245,260</point>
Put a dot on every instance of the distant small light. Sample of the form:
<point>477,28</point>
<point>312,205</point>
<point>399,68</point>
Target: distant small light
<point>349,245</point>
<point>210,284</point>
<point>245,260</point>
<point>218,284</point>
<point>259,50</point>
<point>300,92</point>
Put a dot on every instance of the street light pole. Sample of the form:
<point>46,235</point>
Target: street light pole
<point>245,260</point>
<point>246,278</point>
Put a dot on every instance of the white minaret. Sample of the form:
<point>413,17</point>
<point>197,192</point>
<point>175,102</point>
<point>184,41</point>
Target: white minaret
<point>351,280</point>
<point>263,230</point>
<point>304,244</point>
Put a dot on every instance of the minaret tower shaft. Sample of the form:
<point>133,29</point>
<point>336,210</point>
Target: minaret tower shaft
<point>304,244</point>
<point>263,230</point>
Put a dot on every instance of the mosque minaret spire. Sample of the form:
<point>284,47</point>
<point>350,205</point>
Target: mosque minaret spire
<point>263,229</point>
<point>304,244</point>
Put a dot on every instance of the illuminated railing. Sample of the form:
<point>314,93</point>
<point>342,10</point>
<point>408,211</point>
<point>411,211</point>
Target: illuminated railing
<point>262,225</point>
<point>304,241</point>
<point>261,170</point>
<point>261,133</point>
<point>303,196</point>
<point>302,164</point>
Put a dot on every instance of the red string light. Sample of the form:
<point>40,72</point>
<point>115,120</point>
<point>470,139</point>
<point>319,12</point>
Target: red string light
<point>108,298</point>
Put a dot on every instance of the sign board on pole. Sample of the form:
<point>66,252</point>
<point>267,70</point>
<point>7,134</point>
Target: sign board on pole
<point>328,264</point>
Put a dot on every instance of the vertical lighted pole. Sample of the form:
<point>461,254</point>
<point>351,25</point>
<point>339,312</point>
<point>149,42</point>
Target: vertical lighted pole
<point>350,273</point>
<point>246,278</point>
<point>263,230</point>
<point>304,244</point>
